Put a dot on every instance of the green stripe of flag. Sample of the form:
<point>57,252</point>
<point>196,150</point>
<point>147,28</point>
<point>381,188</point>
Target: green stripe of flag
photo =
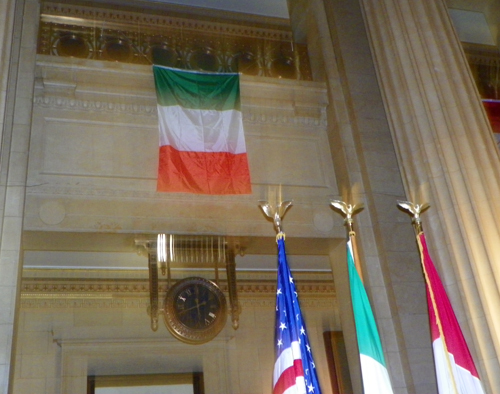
<point>208,91</point>
<point>366,329</point>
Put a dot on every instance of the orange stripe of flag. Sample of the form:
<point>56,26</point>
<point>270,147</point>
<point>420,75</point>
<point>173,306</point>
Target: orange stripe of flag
<point>209,172</point>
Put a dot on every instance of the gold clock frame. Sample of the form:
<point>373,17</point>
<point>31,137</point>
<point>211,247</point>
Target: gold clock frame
<point>181,331</point>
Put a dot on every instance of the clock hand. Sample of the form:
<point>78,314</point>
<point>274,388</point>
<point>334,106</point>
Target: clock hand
<point>193,307</point>
<point>198,308</point>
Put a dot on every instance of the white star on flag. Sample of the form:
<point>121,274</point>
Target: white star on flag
<point>294,370</point>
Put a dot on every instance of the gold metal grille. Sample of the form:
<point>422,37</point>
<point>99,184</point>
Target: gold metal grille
<point>87,33</point>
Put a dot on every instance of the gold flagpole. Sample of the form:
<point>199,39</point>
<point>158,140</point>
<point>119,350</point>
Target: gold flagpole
<point>348,211</point>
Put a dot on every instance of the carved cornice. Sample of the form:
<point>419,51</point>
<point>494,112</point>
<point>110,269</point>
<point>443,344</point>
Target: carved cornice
<point>66,293</point>
<point>107,288</point>
<point>251,114</point>
<point>34,301</point>
<point>71,104</point>
<point>125,19</point>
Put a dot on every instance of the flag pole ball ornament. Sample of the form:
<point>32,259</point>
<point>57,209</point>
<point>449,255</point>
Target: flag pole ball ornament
<point>202,145</point>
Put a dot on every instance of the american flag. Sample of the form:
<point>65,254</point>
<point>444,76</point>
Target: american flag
<point>294,369</point>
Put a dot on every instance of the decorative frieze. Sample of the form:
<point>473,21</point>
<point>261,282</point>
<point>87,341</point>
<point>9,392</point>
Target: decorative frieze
<point>251,115</point>
<point>51,293</point>
<point>189,43</point>
<point>108,288</point>
<point>34,302</point>
<point>71,104</point>
<point>81,15</point>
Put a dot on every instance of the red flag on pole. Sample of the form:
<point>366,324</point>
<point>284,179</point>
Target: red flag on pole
<point>455,369</point>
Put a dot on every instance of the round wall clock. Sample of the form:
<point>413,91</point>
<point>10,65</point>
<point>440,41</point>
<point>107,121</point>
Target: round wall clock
<point>195,310</point>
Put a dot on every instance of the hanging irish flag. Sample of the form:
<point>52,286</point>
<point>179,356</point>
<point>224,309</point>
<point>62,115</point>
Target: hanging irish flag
<point>373,369</point>
<point>455,369</point>
<point>202,146</point>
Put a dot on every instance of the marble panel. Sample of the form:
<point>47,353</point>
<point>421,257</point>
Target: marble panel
<point>28,55</point>
<point>6,333</point>
<point>250,384</point>
<point>11,238</point>
<point>405,266</point>
<point>20,139</point>
<point>22,114</point>
<point>34,343</point>
<point>7,305</point>
<point>4,378</point>
<point>75,148</point>
<point>18,164</point>
<point>52,385</point>
<point>74,385</point>
<point>14,201</point>
<point>384,159</point>
<point>410,297</point>
<point>396,374</point>
<point>30,385</point>
<point>9,268</point>
<point>416,332</point>
<point>35,366</point>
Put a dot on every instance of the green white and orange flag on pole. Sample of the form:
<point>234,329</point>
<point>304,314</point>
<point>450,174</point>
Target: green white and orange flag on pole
<point>373,367</point>
<point>202,146</point>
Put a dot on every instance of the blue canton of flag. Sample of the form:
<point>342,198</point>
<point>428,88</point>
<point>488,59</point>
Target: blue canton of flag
<point>294,369</point>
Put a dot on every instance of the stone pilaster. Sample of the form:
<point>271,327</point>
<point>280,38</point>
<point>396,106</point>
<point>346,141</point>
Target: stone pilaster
<point>447,157</point>
<point>18,21</point>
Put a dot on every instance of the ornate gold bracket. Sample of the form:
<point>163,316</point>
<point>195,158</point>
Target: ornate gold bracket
<point>234,305</point>
<point>194,250</point>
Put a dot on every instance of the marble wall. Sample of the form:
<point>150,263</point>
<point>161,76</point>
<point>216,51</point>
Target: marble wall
<point>61,340</point>
<point>94,153</point>
<point>79,152</point>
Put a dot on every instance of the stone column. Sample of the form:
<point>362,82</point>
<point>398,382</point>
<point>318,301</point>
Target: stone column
<point>18,27</point>
<point>447,157</point>
<point>365,161</point>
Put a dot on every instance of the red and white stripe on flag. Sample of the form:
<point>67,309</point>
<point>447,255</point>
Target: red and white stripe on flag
<point>455,369</point>
<point>289,371</point>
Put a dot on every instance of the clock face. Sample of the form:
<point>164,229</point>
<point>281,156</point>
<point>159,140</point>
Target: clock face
<point>195,310</point>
